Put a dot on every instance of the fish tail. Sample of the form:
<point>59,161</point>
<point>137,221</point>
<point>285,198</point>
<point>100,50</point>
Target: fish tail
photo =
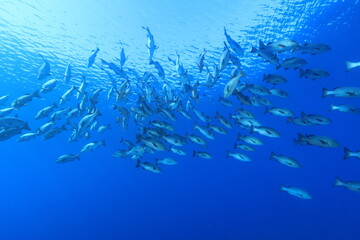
<point>347,153</point>
<point>261,44</point>
<point>253,50</point>
<point>138,163</point>
<point>289,120</point>
<point>239,136</point>
<point>324,92</point>
<point>36,94</point>
<point>272,154</point>
<point>302,73</point>
<point>194,153</point>
<point>349,66</point>
<point>282,188</point>
<point>338,182</point>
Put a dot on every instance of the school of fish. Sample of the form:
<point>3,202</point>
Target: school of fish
<point>160,102</point>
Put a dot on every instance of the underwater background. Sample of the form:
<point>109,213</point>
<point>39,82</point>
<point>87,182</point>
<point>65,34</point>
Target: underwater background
<point>105,197</point>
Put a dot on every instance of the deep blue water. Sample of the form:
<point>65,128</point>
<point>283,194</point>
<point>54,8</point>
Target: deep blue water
<point>102,197</point>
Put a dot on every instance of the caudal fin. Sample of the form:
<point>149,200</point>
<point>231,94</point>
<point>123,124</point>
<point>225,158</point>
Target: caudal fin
<point>347,153</point>
<point>338,182</point>
<point>324,92</point>
<point>302,73</point>
<point>349,66</point>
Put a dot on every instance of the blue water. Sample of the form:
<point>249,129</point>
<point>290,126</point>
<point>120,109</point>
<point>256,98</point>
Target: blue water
<point>102,197</point>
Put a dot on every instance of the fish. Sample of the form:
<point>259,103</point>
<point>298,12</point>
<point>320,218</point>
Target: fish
<point>177,151</point>
<point>200,62</point>
<point>274,79</point>
<point>224,59</point>
<point>103,128</point>
<point>349,154</point>
<point>267,56</point>
<point>45,128</point>
<point>315,140</point>
<point>123,58</point>
<point>4,99</point>
<point>163,125</point>
<point>93,146</point>
<point>281,112</point>
<point>298,121</point>
<point>244,113</point>
<point>266,131</point>
<point>60,114</point>
<point>205,155</point>
<point>315,119</point>
<point>238,156</point>
<point>313,74</point>
<point>175,139</point>
<point>285,160</point>
<point>44,70</point>
<point>87,120</point>
<point>351,65</point>
<point>258,89</point>
<point>92,57</point>
<point>48,86</point>
<point>151,143</point>
<point>296,192</point>
<point>278,93</point>
<point>45,112</point>
<point>6,111</point>
<point>196,139</point>
<point>244,147</point>
<point>206,131</point>
<point>234,45</point>
<point>159,68</point>
<point>293,62</point>
<point>148,166</point>
<point>313,48</point>
<point>223,120</point>
<point>13,122</point>
<point>350,185</point>
<point>7,133</point>
<point>278,46</point>
<point>345,108</point>
<point>24,100</point>
<point>68,158</point>
<point>53,132</point>
<point>347,92</point>
<point>166,161</point>
<point>67,75</point>
<point>150,43</point>
<point>66,96</point>
<point>27,137</point>
<point>218,129</point>
<point>250,139</point>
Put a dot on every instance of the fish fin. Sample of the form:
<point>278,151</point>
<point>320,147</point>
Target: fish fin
<point>302,73</point>
<point>324,93</point>
<point>338,182</point>
<point>348,66</point>
<point>194,153</point>
<point>238,136</point>
<point>261,44</point>
<point>346,153</point>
